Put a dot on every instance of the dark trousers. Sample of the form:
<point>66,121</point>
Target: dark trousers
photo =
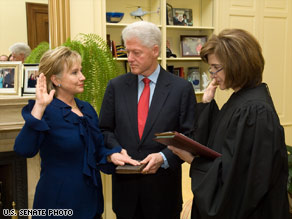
<point>98,217</point>
<point>139,215</point>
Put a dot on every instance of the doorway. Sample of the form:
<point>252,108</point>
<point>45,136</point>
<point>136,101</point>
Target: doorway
<point>37,24</point>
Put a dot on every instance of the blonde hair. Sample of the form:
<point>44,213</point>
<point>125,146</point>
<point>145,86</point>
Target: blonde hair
<point>53,62</point>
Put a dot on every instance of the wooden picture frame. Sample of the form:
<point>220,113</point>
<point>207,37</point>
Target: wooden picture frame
<point>191,45</point>
<point>10,73</point>
<point>30,74</point>
<point>169,14</point>
<point>182,16</point>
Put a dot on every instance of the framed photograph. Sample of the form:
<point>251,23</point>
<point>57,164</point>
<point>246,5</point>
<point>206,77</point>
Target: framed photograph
<point>176,71</point>
<point>30,73</point>
<point>10,72</point>
<point>169,14</point>
<point>191,45</point>
<point>182,16</point>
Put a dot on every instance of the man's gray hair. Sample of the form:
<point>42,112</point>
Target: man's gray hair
<point>20,48</point>
<point>148,33</point>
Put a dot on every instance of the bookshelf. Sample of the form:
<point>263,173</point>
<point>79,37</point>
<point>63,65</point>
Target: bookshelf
<point>202,19</point>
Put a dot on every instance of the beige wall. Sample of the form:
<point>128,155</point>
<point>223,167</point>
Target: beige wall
<point>13,22</point>
<point>90,17</point>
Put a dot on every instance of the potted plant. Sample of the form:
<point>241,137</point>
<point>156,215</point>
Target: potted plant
<point>37,53</point>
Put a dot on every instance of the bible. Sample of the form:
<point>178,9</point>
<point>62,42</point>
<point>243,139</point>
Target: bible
<point>130,169</point>
<point>183,142</point>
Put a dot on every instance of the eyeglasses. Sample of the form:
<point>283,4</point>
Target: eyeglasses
<point>214,72</point>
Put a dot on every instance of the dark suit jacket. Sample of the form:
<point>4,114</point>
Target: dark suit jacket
<point>172,108</point>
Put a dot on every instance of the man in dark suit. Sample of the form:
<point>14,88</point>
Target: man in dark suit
<point>155,194</point>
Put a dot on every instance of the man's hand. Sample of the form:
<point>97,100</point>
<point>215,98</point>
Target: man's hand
<point>122,158</point>
<point>154,161</point>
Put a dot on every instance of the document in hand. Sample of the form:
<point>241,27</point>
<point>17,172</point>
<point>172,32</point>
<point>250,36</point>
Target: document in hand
<point>183,142</point>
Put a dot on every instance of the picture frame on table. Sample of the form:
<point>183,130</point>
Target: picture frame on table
<point>30,74</point>
<point>191,45</point>
<point>182,16</point>
<point>169,14</point>
<point>10,73</point>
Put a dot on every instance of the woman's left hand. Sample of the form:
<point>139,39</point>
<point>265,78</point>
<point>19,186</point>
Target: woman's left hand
<point>184,155</point>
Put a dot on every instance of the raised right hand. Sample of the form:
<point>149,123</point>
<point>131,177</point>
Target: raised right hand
<point>42,97</point>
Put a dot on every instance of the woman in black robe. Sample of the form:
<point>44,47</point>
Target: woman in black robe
<point>249,180</point>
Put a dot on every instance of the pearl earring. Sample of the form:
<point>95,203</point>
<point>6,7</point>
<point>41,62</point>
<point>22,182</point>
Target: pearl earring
<point>59,85</point>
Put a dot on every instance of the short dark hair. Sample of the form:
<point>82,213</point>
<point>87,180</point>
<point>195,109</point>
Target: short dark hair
<point>240,55</point>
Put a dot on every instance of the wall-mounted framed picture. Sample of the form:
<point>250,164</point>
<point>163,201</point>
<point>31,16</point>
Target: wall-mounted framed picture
<point>10,73</point>
<point>169,14</point>
<point>30,74</point>
<point>182,16</point>
<point>191,45</point>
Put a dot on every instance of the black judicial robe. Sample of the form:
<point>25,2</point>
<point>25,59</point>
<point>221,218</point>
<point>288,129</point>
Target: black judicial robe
<point>250,179</point>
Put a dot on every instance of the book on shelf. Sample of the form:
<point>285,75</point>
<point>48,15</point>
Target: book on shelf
<point>112,45</point>
<point>181,141</point>
<point>114,49</point>
<point>108,41</point>
<point>179,71</point>
<point>170,68</point>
